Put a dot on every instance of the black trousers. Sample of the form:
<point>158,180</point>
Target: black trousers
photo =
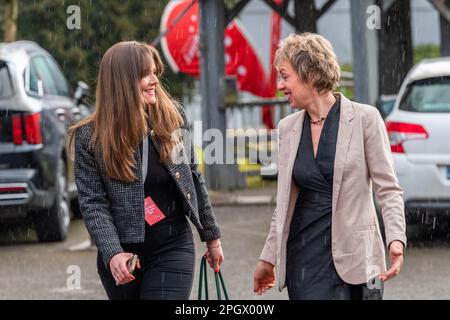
<point>167,260</point>
<point>343,291</point>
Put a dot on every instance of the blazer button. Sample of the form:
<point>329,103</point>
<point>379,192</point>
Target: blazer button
<point>152,133</point>
<point>177,175</point>
<point>188,196</point>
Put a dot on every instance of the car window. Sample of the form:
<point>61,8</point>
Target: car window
<point>6,88</point>
<point>387,106</point>
<point>427,95</point>
<point>62,85</point>
<point>39,70</point>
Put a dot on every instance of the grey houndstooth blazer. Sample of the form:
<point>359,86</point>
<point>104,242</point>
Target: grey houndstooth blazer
<point>113,211</point>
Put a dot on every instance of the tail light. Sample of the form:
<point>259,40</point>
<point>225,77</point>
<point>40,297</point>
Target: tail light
<point>17,129</point>
<point>32,128</point>
<point>400,132</point>
<point>12,189</point>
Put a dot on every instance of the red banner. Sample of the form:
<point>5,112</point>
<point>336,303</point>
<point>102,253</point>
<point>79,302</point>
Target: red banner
<point>181,49</point>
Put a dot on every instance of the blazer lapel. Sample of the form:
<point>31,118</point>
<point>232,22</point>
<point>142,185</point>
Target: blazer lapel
<point>342,145</point>
<point>294,133</point>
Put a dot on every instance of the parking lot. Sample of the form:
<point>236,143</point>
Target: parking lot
<point>30,270</point>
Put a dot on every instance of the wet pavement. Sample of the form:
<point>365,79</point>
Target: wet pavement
<point>31,270</point>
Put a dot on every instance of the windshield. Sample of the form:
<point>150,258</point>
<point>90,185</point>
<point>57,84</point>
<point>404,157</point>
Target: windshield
<point>427,95</point>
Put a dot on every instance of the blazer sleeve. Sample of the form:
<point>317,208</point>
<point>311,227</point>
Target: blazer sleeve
<point>269,252</point>
<point>211,229</point>
<point>93,199</point>
<point>381,169</point>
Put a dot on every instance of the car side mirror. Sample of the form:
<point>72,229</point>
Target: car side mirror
<point>81,91</point>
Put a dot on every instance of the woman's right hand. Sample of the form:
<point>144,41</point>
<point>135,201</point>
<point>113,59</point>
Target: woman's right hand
<point>119,269</point>
<point>264,277</point>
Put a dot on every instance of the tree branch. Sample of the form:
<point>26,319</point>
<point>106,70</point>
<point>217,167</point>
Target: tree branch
<point>233,12</point>
<point>324,8</point>
<point>282,11</point>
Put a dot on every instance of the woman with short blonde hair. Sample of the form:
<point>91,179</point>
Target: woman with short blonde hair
<point>324,234</point>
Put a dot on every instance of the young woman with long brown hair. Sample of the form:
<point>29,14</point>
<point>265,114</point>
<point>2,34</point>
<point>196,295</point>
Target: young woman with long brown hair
<point>133,197</point>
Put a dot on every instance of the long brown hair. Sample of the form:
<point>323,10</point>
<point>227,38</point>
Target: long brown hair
<point>121,118</point>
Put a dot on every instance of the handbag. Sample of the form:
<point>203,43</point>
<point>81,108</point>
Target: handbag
<point>204,278</point>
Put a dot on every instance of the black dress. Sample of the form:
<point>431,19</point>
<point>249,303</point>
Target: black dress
<point>310,271</point>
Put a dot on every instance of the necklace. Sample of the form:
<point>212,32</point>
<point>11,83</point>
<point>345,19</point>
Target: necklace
<point>318,122</point>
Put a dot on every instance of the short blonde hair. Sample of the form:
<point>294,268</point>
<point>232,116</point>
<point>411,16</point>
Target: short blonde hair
<point>313,58</point>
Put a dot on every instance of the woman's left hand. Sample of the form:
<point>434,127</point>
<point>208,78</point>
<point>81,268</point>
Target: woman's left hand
<point>214,255</point>
<point>396,255</point>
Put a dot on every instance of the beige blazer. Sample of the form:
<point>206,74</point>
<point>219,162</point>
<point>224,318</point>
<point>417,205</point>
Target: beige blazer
<point>363,159</point>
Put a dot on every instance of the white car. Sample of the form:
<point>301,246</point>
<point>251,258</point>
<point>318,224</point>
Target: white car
<point>419,134</point>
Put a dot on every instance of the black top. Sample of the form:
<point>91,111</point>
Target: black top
<point>310,268</point>
<point>161,187</point>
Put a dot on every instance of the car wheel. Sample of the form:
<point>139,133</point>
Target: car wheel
<point>75,209</point>
<point>53,224</point>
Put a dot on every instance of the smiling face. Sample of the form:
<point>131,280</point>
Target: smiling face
<point>147,86</point>
<point>297,91</point>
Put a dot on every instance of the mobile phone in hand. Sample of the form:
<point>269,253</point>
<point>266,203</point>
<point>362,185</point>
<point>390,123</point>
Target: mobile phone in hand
<point>131,263</point>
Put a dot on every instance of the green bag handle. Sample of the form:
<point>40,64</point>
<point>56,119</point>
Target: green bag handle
<point>204,277</point>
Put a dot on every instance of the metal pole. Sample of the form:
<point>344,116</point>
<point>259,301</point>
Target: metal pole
<point>445,29</point>
<point>212,27</point>
<point>365,53</point>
